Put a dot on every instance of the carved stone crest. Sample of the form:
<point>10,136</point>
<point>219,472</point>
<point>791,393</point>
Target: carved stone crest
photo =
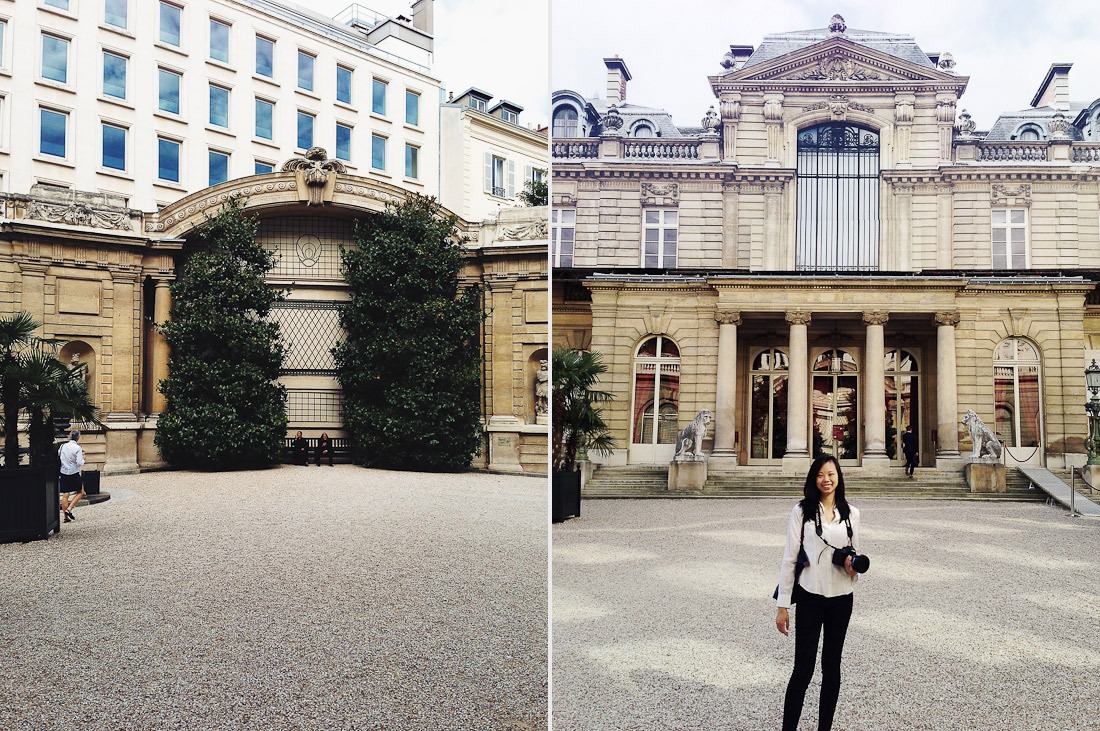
<point>1020,195</point>
<point>837,24</point>
<point>315,175</point>
<point>839,105</point>
<point>837,68</point>
<point>660,194</point>
<point>1058,126</point>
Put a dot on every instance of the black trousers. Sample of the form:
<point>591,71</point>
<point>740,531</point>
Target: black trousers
<point>813,613</point>
<point>910,462</point>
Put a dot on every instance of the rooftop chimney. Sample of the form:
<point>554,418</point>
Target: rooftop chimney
<point>617,76</point>
<point>424,16</point>
<point>1054,91</point>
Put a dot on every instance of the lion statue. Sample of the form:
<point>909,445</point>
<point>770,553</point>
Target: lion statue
<point>690,442</point>
<point>986,444</point>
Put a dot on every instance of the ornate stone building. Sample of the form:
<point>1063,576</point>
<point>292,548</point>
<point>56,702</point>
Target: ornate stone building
<point>833,253</point>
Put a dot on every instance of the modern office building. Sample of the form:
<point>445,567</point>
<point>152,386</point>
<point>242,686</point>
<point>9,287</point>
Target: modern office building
<point>832,253</point>
<point>124,122</point>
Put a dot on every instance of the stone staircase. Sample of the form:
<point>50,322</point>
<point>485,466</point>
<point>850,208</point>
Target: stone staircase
<point>928,484</point>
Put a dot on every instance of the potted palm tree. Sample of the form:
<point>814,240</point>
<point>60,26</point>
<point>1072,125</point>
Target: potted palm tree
<point>35,382</point>
<point>577,425</point>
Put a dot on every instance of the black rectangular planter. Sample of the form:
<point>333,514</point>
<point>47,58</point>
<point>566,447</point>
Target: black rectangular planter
<point>566,496</point>
<point>91,482</point>
<point>29,504</point>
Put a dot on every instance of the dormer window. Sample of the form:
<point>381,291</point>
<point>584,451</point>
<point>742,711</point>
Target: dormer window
<point>480,105</point>
<point>509,116</point>
<point>565,122</point>
<point>1028,133</point>
<point>644,130</point>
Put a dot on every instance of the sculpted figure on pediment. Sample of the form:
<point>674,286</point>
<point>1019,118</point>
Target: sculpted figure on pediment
<point>837,68</point>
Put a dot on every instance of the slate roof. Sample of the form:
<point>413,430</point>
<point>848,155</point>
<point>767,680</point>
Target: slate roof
<point>898,45</point>
<point>631,113</point>
<point>1007,124</point>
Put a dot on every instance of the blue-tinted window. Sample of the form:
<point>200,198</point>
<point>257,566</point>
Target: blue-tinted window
<point>114,147</point>
<point>55,58</point>
<point>265,111</point>
<point>305,71</point>
<point>265,56</point>
<point>412,161</point>
<point>114,75</point>
<point>63,4</point>
<point>52,134</point>
<point>219,167</point>
<point>219,41</point>
<point>3,30</point>
<point>343,84</point>
<point>219,106</point>
<point>343,142</point>
<point>114,13</point>
<point>169,94</point>
<point>168,160</point>
<point>170,19</point>
<point>378,152</point>
<point>262,168</point>
<point>378,97</point>
<point>412,107</point>
<point>305,130</point>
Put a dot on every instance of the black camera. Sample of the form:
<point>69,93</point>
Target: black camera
<point>859,563</point>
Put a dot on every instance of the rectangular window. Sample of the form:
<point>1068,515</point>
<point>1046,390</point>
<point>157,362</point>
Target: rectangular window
<point>219,167</point>
<point>412,108</point>
<point>378,152</point>
<point>412,161</point>
<point>265,111</point>
<point>500,176</point>
<point>305,130</point>
<point>169,94</point>
<point>168,160</point>
<point>115,12</point>
<point>265,56</point>
<point>171,17</point>
<point>114,75</point>
<point>219,106</point>
<point>343,84</point>
<point>55,58</point>
<point>114,147</point>
<point>219,41</point>
<point>305,71</point>
<point>479,104</point>
<point>378,96</point>
<point>1009,238</point>
<point>52,133</point>
<point>60,4</point>
<point>3,32</point>
<point>343,142</point>
<point>659,229</point>
<point>537,175</point>
<point>509,116</point>
<point>563,224</point>
<point>263,168</point>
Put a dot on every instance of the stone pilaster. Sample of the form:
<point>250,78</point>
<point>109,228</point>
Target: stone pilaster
<point>124,355</point>
<point>947,392</point>
<point>162,308</point>
<point>774,255</point>
<point>797,456</point>
<point>773,121</point>
<point>945,122</point>
<point>725,423</point>
<point>903,127</point>
<point>34,290</point>
<point>874,391</point>
<point>730,106</point>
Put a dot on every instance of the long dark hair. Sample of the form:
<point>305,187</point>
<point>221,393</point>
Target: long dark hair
<point>811,496</point>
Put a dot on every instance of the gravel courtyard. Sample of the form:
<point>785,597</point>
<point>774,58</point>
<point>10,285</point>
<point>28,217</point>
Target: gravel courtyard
<point>973,616</point>
<point>291,598</point>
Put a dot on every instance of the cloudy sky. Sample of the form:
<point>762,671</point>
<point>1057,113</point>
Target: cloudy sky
<point>499,46</point>
<point>1004,46</point>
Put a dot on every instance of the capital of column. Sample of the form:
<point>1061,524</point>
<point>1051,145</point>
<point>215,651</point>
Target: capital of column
<point>947,318</point>
<point>798,317</point>
<point>727,318</point>
<point>875,317</point>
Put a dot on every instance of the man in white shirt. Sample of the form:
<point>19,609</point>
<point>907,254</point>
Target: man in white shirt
<point>71,484</point>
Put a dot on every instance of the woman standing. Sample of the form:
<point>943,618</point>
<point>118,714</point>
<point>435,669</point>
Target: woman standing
<point>823,591</point>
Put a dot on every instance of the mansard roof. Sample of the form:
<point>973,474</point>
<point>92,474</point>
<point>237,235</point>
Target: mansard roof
<point>1009,123</point>
<point>897,45</point>
<point>632,113</point>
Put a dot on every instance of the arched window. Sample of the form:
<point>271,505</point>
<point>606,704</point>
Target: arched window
<point>836,405</point>
<point>565,122</point>
<point>1029,133</point>
<point>768,418</point>
<point>1016,393</point>
<point>902,404</point>
<point>643,129</point>
<point>656,391</point>
<point>838,198</point>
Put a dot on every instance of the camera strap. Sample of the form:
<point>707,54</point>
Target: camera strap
<point>817,529</point>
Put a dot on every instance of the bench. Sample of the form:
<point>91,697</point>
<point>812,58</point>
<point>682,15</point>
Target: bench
<point>341,449</point>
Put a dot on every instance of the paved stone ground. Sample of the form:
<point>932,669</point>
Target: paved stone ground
<point>292,598</point>
<point>973,616</point>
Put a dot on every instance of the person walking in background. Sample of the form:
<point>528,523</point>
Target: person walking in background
<point>823,591</point>
<point>324,448</point>
<point>70,483</point>
<point>300,448</point>
<point>909,449</point>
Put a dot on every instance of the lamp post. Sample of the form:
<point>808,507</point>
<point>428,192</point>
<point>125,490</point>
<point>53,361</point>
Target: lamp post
<point>1092,408</point>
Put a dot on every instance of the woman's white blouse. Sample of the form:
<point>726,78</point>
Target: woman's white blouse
<point>821,576</point>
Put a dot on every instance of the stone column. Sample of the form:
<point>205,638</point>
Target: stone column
<point>725,422</point>
<point>162,307</point>
<point>798,394</point>
<point>874,391</point>
<point>947,393</point>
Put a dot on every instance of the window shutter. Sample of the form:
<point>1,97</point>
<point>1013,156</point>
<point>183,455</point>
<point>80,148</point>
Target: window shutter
<point>510,192</point>
<point>488,173</point>
<point>527,170</point>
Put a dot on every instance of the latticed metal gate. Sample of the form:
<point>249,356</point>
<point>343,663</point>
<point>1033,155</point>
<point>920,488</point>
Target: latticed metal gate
<point>309,332</point>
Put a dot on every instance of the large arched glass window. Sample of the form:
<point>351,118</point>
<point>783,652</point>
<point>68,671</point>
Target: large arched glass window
<point>656,391</point>
<point>902,403</point>
<point>838,198</point>
<point>565,122</point>
<point>1016,393</point>
<point>836,405</point>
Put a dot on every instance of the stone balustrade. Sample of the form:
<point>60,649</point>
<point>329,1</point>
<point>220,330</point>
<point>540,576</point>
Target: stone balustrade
<point>576,149</point>
<point>1012,152</point>
<point>650,150</point>
<point>1085,153</point>
<point>629,149</point>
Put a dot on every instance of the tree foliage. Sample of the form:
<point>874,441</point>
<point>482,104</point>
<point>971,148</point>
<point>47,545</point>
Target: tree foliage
<point>577,423</point>
<point>410,365</point>
<point>535,193</point>
<point>226,409</point>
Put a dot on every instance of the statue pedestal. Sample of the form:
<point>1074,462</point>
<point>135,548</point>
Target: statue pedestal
<point>985,477</point>
<point>687,475</point>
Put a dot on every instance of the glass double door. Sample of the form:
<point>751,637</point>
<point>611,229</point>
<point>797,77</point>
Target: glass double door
<point>835,425</point>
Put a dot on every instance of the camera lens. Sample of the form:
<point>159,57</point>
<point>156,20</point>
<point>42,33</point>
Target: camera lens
<point>861,564</point>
